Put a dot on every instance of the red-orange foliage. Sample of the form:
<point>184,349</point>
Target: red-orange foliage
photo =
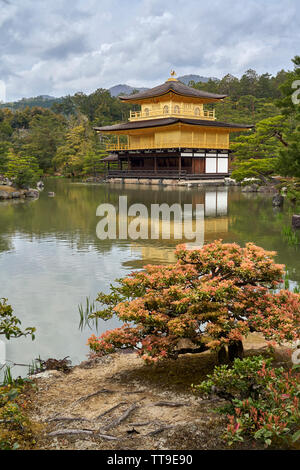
<point>213,296</point>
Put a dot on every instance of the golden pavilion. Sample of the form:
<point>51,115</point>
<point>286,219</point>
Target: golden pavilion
<point>172,136</point>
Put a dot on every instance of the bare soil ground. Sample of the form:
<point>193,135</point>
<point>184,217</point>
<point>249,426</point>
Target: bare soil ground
<point>119,403</point>
<point>7,189</point>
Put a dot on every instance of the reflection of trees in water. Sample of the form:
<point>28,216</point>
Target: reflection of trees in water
<point>71,216</point>
<point>5,244</point>
<point>252,217</point>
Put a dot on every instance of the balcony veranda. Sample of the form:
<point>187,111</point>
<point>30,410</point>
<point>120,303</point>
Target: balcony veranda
<point>118,146</point>
<point>173,112</point>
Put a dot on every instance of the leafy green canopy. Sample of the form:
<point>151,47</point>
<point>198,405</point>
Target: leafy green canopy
<point>10,324</point>
<point>289,157</point>
<point>23,170</point>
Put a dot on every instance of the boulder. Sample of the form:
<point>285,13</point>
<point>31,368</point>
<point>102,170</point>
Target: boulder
<point>51,194</point>
<point>296,221</point>
<point>267,189</point>
<point>230,182</point>
<point>278,200</point>
<point>16,195</point>
<point>4,195</point>
<point>94,179</point>
<point>32,193</point>
<point>253,188</point>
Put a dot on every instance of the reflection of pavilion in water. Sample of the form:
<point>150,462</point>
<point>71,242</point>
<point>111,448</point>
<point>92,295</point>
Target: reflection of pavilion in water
<point>216,223</point>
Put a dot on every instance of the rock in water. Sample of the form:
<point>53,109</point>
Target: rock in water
<point>278,200</point>
<point>16,195</point>
<point>296,221</point>
<point>253,188</point>
<point>4,195</point>
<point>32,193</point>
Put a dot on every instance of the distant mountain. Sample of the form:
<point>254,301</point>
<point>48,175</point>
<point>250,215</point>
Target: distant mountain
<point>128,90</point>
<point>46,101</point>
<point>124,90</point>
<point>186,79</point>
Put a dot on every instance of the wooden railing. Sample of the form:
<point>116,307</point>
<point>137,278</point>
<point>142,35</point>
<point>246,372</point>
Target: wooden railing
<point>161,145</point>
<point>146,173</point>
<point>173,112</point>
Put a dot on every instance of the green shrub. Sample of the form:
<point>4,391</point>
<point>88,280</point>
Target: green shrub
<point>15,428</point>
<point>263,402</point>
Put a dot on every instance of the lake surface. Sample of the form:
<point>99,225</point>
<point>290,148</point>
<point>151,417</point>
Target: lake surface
<point>51,258</point>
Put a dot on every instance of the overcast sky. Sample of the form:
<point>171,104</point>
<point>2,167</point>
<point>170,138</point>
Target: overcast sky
<point>57,47</point>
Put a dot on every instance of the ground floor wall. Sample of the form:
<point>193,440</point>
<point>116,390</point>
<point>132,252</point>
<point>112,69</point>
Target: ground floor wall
<point>173,164</point>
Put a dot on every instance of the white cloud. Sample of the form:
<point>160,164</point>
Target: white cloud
<point>59,48</point>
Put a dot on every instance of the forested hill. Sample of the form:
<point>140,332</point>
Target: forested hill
<point>58,132</point>
<point>43,101</point>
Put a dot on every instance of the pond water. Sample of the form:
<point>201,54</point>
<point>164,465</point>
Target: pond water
<point>51,258</point>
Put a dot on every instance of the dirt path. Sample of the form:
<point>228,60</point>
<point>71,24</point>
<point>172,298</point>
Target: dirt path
<point>117,402</point>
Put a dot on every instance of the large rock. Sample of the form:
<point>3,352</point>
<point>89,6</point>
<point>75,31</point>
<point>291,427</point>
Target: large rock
<point>296,221</point>
<point>278,200</point>
<point>4,195</point>
<point>267,189</point>
<point>16,195</point>
<point>253,188</point>
<point>230,182</point>
<point>32,193</point>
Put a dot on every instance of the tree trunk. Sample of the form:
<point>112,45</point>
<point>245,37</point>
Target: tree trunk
<point>222,355</point>
<point>235,349</point>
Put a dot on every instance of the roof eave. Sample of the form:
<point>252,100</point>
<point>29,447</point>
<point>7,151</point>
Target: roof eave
<point>136,100</point>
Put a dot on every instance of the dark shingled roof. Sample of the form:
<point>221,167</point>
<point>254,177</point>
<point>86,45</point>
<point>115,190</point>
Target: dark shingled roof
<point>169,121</point>
<point>174,86</point>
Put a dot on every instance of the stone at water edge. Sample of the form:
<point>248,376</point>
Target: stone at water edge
<point>267,189</point>
<point>253,188</point>
<point>4,195</point>
<point>278,200</point>
<point>16,195</point>
<point>32,193</point>
<point>296,221</point>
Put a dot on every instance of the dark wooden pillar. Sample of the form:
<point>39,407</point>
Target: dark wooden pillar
<point>179,166</point>
<point>155,164</point>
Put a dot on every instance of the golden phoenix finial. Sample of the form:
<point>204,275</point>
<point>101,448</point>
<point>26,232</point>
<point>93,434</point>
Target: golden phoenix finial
<point>173,73</point>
